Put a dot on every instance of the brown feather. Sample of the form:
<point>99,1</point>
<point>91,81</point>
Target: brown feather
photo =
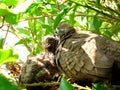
<point>85,55</point>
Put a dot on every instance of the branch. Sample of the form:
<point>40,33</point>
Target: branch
<point>52,84</point>
<point>37,17</point>
<point>94,9</point>
<point>40,84</point>
<point>106,8</point>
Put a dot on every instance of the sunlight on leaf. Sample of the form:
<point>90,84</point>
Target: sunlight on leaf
<point>12,18</point>
<point>9,2</point>
<point>7,56</point>
<point>3,10</point>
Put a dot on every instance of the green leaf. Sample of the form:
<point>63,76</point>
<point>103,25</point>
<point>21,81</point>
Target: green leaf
<point>61,16</point>
<point>108,33</point>
<point>3,10</point>
<point>116,28</point>
<point>98,2</point>
<point>6,85</point>
<point>7,56</point>
<point>95,24</point>
<point>38,49</point>
<point>34,8</point>
<point>12,18</point>
<point>22,41</point>
<point>48,29</point>
<point>11,2</point>
<point>118,2</point>
<point>9,16</point>
<point>98,86</point>
<point>1,42</point>
<point>42,20</point>
<point>65,85</point>
<point>23,31</point>
<point>72,15</point>
<point>30,23</point>
<point>92,28</point>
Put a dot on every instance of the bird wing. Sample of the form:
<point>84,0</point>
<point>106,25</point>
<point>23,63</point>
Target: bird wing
<point>81,56</point>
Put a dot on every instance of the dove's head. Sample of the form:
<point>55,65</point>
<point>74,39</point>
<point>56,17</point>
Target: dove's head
<point>64,30</point>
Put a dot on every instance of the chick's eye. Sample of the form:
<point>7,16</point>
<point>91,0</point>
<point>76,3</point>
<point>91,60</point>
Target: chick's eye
<point>50,40</point>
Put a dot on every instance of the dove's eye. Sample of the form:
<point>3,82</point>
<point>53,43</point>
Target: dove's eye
<point>58,32</point>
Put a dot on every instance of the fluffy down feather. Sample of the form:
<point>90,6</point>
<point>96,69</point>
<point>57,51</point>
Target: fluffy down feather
<point>41,68</point>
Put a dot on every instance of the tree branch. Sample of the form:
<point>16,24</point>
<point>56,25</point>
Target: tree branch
<point>40,84</point>
<point>37,17</point>
<point>96,10</point>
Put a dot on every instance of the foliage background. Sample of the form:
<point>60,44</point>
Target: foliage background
<point>30,20</point>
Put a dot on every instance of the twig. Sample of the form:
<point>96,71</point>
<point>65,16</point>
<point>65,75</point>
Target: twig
<point>37,17</point>
<point>5,37</point>
<point>81,87</point>
<point>40,84</point>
